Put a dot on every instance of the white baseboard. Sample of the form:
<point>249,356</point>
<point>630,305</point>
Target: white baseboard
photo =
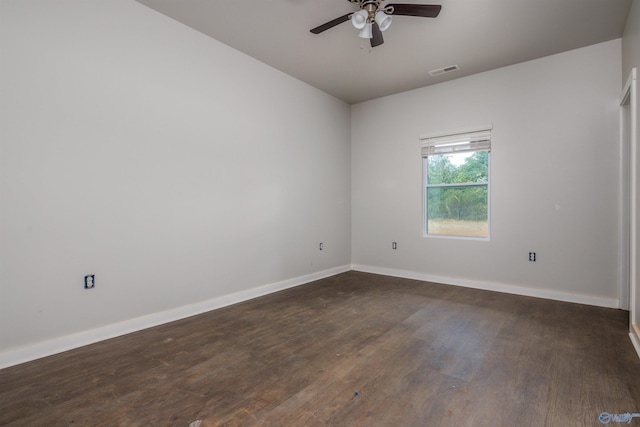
<point>492,286</point>
<point>636,342</point>
<point>634,334</point>
<point>69,342</point>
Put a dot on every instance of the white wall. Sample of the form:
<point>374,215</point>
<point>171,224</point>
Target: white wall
<point>554,178</point>
<point>180,171</point>
<point>631,41</point>
<point>174,168</point>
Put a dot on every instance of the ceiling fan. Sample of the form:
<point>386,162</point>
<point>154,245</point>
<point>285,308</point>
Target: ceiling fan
<point>373,18</point>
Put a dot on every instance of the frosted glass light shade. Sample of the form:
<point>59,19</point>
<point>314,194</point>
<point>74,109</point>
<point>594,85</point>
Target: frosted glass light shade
<point>383,20</point>
<point>366,32</point>
<point>359,19</point>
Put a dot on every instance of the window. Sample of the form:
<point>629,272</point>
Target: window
<point>456,184</point>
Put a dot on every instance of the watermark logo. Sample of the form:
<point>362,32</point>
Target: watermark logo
<point>606,418</point>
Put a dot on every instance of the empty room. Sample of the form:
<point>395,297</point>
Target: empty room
<point>319,213</point>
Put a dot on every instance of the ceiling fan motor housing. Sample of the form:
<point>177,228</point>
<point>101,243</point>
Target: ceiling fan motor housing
<point>371,6</point>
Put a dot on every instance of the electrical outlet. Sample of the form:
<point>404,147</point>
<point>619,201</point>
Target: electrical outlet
<point>321,246</point>
<point>532,256</point>
<point>90,281</point>
<point>394,245</point>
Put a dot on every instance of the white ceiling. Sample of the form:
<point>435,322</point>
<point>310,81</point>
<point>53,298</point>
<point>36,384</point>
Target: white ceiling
<point>476,35</point>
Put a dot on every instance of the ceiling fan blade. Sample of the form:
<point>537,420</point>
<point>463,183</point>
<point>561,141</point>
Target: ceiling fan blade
<point>423,10</point>
<point>331,24</point>
<point>377,39</point>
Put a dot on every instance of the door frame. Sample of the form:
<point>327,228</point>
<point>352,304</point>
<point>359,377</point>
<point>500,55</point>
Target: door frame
<point>629,217</point>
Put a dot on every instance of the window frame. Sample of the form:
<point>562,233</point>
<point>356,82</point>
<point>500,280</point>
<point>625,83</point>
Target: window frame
<point>426,140</point>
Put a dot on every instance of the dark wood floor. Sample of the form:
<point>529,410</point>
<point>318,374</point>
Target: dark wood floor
<point>418,354</point>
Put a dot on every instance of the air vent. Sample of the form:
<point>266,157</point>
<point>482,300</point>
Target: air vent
<point>439,71</point>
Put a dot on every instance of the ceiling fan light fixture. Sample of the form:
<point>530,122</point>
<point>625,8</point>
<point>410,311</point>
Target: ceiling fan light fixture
<point>359,19</point>
<point>366,32</point>
<point>383,20</point>
<point>373,17</point>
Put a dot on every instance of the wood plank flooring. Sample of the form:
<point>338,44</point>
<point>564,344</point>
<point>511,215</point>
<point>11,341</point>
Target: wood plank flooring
<point>418,354</point>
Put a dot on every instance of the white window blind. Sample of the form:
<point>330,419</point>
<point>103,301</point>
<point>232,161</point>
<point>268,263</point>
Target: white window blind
<point>456,143</point>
